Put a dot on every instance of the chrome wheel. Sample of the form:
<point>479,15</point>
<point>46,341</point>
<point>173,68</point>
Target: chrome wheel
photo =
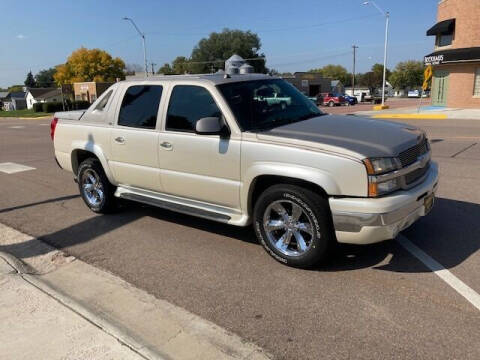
<point>288,228</point>
<point>92,188</point>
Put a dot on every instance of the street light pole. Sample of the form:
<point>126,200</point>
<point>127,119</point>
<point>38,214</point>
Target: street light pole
<point>143,42</point>
<point>387,20</point>
<point>353,72</point>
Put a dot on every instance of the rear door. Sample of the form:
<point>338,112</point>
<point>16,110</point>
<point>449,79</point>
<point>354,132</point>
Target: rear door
<point>134,138</point>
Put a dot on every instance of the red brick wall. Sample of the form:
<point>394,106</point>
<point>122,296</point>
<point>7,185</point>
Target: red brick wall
<point>467,23</point>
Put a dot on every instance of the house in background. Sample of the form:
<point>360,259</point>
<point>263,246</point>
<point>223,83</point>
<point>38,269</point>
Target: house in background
<point>42,95</point>
<point>337,87</point>
<point>90,91</point>
<point>14,101</point>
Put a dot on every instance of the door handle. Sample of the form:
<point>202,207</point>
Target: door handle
<point>120,139</point>
<point>166,145</point>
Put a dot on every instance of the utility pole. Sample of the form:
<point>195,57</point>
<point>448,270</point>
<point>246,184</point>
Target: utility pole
<point>353,72</point>
<point>153,70</point>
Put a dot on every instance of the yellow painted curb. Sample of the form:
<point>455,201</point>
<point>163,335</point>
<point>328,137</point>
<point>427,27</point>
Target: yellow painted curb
<point>381,107</point>
<point>411,116</point>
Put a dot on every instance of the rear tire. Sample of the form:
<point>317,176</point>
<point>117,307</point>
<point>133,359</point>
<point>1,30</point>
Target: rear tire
<point>331,104</point>
<point>95,189</point>
<point>294,225</point>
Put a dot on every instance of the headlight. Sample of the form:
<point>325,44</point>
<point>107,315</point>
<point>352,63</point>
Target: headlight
<point>377,166</point>
<point>380,166</point>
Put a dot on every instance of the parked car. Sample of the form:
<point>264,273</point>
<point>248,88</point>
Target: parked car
<point>413,94</point>
<point>350,100</point>
<point>207,146</point>
<point>330,99</point>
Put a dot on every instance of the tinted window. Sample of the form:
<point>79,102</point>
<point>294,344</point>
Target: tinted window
<point>189,104</point>
<point>140,106</point>
<point>263,104</point>
<point>101,105</point>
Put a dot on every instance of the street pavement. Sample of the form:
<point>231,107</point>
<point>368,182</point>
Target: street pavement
<point>368,302</point>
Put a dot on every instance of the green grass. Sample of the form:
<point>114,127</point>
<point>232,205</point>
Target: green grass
<point>23,113</point>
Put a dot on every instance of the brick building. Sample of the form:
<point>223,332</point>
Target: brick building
<point>456,59</point>
<point>310,84</point>
<point>89,91</point>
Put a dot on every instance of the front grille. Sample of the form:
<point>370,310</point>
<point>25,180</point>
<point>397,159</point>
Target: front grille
<point>410,178</point>
<point>411,155</point>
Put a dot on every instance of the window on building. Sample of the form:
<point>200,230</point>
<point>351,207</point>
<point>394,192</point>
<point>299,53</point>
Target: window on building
<point>140,106</point>
<point>476,86</point>
<point>104,101</point>
<point>444,39</point>
<point>188,104</point>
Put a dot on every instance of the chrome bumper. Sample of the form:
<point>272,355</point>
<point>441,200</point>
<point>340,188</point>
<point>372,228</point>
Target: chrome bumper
<point>369,220</point>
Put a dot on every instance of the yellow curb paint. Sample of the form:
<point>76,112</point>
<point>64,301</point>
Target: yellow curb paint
<point>381,107</point>
<point>411,116</point>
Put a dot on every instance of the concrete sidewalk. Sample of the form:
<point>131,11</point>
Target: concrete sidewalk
<point>424,112</point>
<point>36,326</point>
<point>53,306</point>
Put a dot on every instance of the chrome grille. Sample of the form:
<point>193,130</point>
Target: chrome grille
<point>411,155</point>
<point>415,175</point>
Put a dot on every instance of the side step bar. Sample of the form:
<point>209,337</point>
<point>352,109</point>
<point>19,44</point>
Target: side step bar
<point>184,209</point>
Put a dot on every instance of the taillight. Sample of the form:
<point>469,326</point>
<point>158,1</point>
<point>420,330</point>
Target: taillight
<point>53,125</point>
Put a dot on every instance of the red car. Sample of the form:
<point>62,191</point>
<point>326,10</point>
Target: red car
<point>329,99</point>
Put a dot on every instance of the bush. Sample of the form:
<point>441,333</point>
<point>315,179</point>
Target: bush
<point>38,107</point>
<point>51,107</point>
<point>80,105</point>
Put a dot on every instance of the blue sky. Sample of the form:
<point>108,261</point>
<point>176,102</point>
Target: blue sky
<point>296,35</point>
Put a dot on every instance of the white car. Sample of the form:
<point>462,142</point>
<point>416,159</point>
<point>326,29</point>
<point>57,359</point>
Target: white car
<point>208,146</point>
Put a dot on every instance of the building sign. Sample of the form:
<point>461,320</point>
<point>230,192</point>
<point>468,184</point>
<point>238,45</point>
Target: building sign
<point>84,87</point>
<point>433,60</point>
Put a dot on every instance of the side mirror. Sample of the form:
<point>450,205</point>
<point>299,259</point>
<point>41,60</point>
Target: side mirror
<point>212,126</point>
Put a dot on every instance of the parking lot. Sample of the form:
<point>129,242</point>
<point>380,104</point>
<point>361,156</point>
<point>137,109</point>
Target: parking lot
<point>368,302</point>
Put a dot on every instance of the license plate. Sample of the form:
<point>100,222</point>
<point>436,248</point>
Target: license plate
<point>428,202</point>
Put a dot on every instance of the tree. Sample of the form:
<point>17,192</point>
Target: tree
<point>374,78</point>
<point>30,81</point>
<point>407,74</point>
<point>90,65</point>
<point>44,78</point>
<point>166,69</point>
<point>334,72</point>
<point>210,53</point>
<point>15,88</point>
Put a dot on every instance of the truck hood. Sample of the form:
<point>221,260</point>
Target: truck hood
<point>363,136</point>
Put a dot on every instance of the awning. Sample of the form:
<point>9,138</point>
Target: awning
<point>443,27</point>
<point>453,56</point>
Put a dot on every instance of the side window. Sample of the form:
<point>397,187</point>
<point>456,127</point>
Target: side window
<point>101,105</point>
<point>187,105</point>
<point>140,106</point>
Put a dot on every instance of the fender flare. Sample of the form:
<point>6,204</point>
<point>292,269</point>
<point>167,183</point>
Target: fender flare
<point>97,151</point>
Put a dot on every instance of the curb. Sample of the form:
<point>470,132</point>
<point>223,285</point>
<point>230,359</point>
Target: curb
<point>411,116</point>
<point>26,272</point>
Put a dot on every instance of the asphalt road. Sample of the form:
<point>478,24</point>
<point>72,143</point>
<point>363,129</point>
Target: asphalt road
<point>367,302</point>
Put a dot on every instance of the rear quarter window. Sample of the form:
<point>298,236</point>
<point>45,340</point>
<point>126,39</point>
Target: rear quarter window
<point>139,107</point>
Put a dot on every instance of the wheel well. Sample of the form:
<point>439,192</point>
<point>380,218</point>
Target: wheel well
<point>261,183</point>
<point>79,156</point>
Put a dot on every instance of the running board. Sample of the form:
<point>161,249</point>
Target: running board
<point>184,209</point>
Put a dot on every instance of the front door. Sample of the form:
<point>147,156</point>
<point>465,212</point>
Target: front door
<point>199,167</point>
<point>134,139</point>
<point>440,88</point>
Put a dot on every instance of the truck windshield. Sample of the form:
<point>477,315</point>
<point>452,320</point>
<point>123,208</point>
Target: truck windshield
<point>265,104</point>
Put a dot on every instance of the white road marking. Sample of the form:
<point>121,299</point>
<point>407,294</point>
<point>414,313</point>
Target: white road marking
<point>12,168</point>
<point>16,127</point>
<point>458,285</point>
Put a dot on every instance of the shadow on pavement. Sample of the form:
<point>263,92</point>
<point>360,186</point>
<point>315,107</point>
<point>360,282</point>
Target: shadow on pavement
<point>62,198</point>
<point>450,234</point>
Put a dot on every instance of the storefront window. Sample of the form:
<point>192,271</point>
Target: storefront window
<point>476,86</point>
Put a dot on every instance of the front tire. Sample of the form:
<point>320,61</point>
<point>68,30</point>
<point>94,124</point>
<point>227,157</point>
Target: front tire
<point>95,189</point>
<point>331,104</point>
<point>294,225</point>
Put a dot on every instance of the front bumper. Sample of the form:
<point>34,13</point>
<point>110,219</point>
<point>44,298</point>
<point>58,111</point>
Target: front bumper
<point>370,220</point>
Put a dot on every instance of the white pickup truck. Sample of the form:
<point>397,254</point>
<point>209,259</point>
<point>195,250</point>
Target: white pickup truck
<point>208,146</point>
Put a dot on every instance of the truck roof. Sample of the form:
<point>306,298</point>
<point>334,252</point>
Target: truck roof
<point>215,79</point>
